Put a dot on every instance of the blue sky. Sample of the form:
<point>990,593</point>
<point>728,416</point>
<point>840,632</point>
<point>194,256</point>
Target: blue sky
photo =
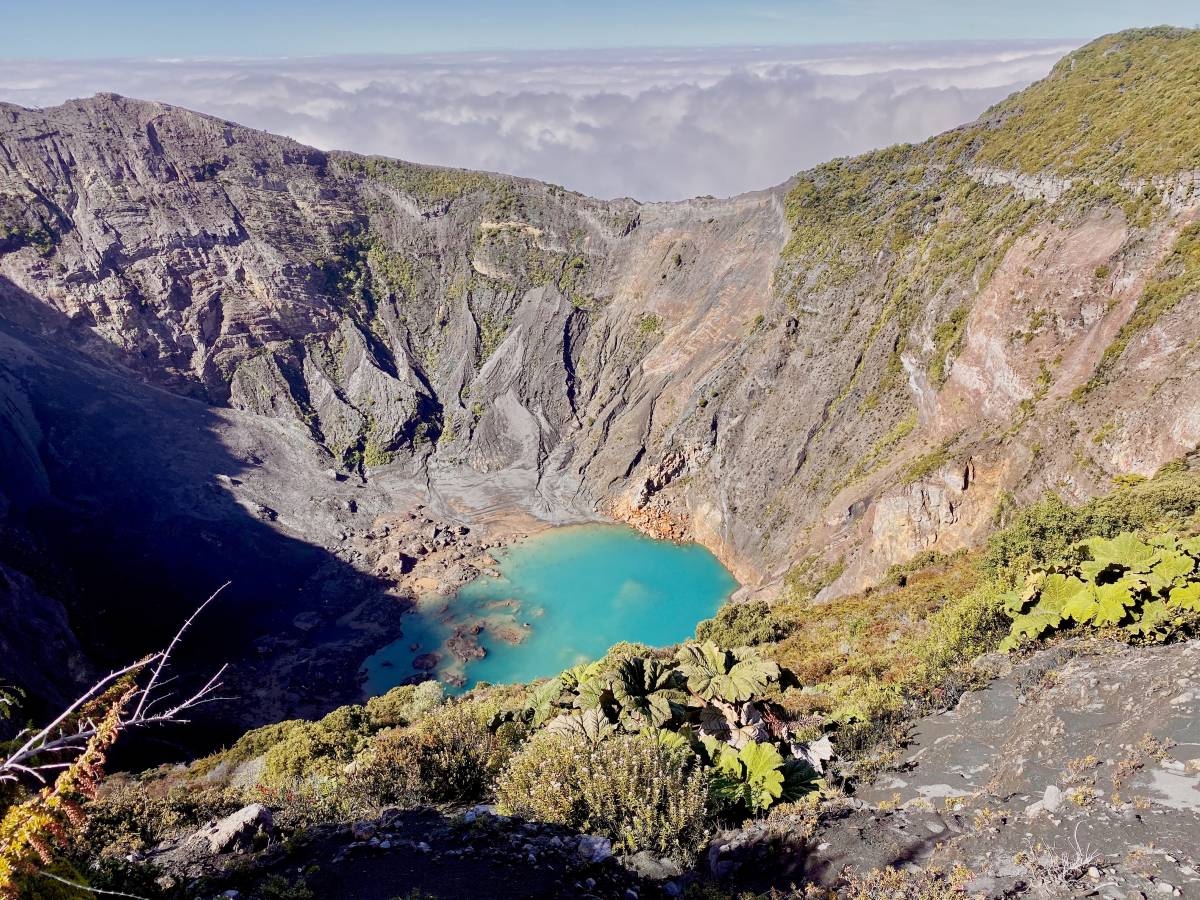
<point>121,28</point>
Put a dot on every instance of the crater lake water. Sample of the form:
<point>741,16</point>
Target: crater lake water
<point>561,597</point>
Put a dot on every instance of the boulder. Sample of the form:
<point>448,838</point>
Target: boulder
<point>652,867</point>
<point>594,848</point>
<point>236,830</point>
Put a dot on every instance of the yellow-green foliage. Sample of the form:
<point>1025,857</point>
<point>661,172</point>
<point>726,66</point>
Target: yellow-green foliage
<point>648,325</point>
<point>573,273</point>
<point>914,224</point>
<point>810,576</point>
<point>310,750</point>
<point>131,814</point>
<point>1122,106</point>
<point>741,625</point>
<point>425,183</point>
<point>1151,588</point>
<point>909,884</point>
<point>393,270</point>
<point>631,788</point>
<point>878,454</point>
<point>405,704</point>
<point>907,213</point>
<point>925,465</point>
<point>25,224</point>
<point>492,330</point>
<point>946,337</point>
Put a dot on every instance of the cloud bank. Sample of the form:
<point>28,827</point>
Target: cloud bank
<point>654,125</point>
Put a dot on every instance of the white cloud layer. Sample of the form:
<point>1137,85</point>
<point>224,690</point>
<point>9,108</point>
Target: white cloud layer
<point>654,125</point>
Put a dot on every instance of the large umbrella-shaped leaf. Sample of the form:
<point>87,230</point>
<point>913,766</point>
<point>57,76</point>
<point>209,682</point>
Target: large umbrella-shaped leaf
<point>544,701</point>
<point>591,726</point>
<point>1112,600</point>
<point>1125,551</point>
<point>646,690</point>
<point>1033,624</point>
<point>763,765</point>
<point>1174,565</point>
<point>1154,617</point>
<point>713,673</point>
<point>1059,591</point>
<point>1186,596</point>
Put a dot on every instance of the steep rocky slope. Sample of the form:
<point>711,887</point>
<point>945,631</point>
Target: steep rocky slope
<point>878,358</point>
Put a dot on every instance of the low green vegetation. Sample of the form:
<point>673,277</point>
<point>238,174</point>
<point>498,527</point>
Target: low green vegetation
<point>871,661</point>
<point>1112,108</point>
<point>639,791</point>
<point>428,184</point>
<point>492,331</point>
<point>14,237</point>
<point>880,451</point>
<point>926,464</point>
<point>394,271</point>
<point>1047,531</point>
<point>911,229</point>
<point>946,338</point>
<point>25,224</point>
<point>810,576</point>
<point>741,625</point>
<point>649,325</point>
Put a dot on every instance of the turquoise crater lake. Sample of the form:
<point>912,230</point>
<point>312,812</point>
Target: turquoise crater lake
<point>561,597</point>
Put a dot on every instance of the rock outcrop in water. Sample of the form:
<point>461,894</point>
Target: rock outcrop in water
<point>878,358</point>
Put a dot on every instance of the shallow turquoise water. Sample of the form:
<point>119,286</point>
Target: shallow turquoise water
<point>572,592</point>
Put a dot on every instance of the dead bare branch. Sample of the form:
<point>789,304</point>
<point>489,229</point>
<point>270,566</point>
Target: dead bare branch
<point>64,736</point>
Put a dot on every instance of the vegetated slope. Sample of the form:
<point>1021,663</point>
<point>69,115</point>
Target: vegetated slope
<point>780,764</point>
<point>878,358</point>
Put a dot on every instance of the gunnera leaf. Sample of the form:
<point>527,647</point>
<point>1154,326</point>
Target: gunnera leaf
<point>1174,565</point>
<point>1112,600</point>
<point>1152,622</point>
<point>1186,597</point>
<point>646,690</point>
<point>1125,551</point>
<point>730,675</point>
<point>591,726</point>
<point>544,701</point>
<point>763,772</point>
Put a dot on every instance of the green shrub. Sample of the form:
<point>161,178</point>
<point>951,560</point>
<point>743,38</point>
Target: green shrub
<point>405,704</point>
<point>742,625</point>
<point>810,576</point>
<point>1101,110</point>
<point>1045,532</point>
<point>451,755</point>
<point>277,887</point>
<point>317,749</point>
<point>631,788</point>
<point>755,777</point>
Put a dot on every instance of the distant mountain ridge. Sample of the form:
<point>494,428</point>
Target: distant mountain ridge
<point>879,358</point>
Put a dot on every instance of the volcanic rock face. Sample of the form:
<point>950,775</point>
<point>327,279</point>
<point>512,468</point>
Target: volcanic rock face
<point>875,359</point>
